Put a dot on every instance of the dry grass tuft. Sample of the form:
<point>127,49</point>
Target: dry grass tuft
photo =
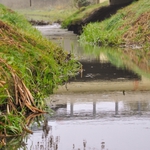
<point>139,30</point>
<point>22,98</point>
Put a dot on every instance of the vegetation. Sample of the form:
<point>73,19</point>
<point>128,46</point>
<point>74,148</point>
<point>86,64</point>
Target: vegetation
<point>50,15</point>
<point>30,68</point>
<point>128,26</point>
<point>134,60</point>
<point>81,14</point>
<point>128,29</point>
<point>57,13</point>
<point>81,3</point>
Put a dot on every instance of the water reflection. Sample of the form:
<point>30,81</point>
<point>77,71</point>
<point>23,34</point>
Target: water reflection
<point>43,138</point>
<point>98,106</point>
<point>99,64</point>
<point>104,108</point>
<point>94,70</point>
<point>94,121</point>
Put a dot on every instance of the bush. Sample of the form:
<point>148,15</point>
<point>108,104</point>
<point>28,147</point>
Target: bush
<point>81,3</point>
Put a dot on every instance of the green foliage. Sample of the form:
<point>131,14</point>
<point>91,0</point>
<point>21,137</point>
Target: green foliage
<point>12,124</point>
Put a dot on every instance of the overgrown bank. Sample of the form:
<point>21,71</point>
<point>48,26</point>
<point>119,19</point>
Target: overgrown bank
<point>84,15</point>
<point>30,68</point>
<point>129,26</point>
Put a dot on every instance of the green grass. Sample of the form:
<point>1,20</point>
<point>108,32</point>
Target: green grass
<point>82,13</point>
<point>111,31</point>
<point>38,61</point>
<point>14,124</point>
<point>48,15</point>
<point>40,64</point>
<point>104,33</point>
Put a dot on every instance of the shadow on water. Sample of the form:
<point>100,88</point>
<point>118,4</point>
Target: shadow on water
<point>106,106</point>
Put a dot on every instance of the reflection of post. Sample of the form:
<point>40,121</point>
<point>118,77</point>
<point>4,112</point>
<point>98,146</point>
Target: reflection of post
<point>30,3</point>
<point>71,109</point>
<point>116,108</point>
<point>135,85</point>
<point>84,144</point>
<point>139,107</point>
<point>94,108</point>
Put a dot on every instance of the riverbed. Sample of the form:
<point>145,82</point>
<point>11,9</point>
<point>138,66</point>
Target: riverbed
<point>105,107</point>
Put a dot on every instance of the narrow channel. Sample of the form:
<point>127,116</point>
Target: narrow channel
<point>105,107</point>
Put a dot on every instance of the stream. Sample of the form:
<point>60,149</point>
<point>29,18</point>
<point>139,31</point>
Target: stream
<point>106,107</point>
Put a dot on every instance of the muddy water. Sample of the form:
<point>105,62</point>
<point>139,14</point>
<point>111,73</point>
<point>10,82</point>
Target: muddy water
<point>102,109</point>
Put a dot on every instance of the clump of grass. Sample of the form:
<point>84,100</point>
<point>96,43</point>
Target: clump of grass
<point>11,125</point>
<point>103,34</point>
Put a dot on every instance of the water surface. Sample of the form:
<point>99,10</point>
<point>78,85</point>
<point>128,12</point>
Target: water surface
<point>106,107</point>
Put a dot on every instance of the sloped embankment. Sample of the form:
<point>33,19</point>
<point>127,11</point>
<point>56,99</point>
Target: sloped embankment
<point>130,25</point>
<point>140,30</point>
<point>96,15</point>
<point>30,68</point>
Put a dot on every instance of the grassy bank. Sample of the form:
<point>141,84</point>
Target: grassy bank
<point>129,26</point>
<point>30,68</point>
<point>82,13</point>
<point>55,14</point>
